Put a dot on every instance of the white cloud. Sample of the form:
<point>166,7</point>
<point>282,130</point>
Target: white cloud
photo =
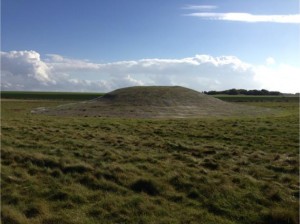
<point>200,7</point>
<point>26,70</point>
<point>247,17</point>
<point>283,77</point>
<point>61,63</point>
<point>28,63</point>
<point>240,16</point>
<point>270,61</point>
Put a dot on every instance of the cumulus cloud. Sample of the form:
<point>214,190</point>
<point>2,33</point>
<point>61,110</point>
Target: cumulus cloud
<point>241,16</point>
<point>28,63</point>
<point>27,70</point>
<point>281,77</point>
<point>24,69</point>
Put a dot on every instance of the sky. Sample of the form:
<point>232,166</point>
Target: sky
<point>102,45</point>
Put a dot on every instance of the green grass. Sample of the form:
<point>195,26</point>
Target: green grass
<point>48,95</point>
<point>154,102</point>
<point>243,98</point>
<point>92,170</point>
<point>29,95</point>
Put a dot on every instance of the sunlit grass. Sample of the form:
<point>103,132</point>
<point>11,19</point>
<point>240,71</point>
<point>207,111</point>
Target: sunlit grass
<point>92,170</point>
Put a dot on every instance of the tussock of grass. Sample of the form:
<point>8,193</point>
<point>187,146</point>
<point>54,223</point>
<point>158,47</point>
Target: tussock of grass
<point>282,215</point>
<point>77,168</point>
<point>35,210</point>
<point>10,215</point>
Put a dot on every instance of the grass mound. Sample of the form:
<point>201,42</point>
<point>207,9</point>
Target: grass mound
<point>160,96</point>
<point>153,102</point>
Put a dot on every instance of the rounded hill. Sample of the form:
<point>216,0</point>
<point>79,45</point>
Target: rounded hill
<point>160,96</point>
<point>153,102</point>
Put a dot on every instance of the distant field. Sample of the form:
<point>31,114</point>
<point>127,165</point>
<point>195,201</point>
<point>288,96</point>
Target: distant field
<point>48,95</point>
<point>77,170</point>
<point>243,98</point>
<point>88,96</point>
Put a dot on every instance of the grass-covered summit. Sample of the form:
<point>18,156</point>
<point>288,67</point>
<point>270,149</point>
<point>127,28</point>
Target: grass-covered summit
<point>153,102</point>
<point>160,96</point>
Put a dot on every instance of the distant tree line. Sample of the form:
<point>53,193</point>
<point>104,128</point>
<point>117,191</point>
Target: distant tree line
<point>254,92</point>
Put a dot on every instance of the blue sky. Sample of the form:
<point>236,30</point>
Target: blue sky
<point>51,36</point>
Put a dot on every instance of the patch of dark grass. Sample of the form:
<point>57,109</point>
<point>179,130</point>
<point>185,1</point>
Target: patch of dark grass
<point>193,194</point>
<point>56,220</point>
<point>180,183</point>
<point>57,173</point>
<point>176,198</point>
<point>90,181</point>
<point>32,212</point>
<point>77,168</point>
<point>147,186</point>
<point>11,198</point>
<point>211,164</point>
<point>10,215</point>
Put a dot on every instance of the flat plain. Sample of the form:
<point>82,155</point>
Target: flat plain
<point>109,170</point>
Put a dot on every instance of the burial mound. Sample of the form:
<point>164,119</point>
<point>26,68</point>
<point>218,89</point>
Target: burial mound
<point>153,102</point>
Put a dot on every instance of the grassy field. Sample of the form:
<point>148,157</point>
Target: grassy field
<point>243,98</point>
<point>48,95</point>
<point>89,96</point>
<point>92,170</point>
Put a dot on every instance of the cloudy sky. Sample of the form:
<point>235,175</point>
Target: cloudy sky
<point>101,45</point>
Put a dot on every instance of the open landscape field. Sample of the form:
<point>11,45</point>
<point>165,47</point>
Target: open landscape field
<point>27,95</point>
<point>70,169</point>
